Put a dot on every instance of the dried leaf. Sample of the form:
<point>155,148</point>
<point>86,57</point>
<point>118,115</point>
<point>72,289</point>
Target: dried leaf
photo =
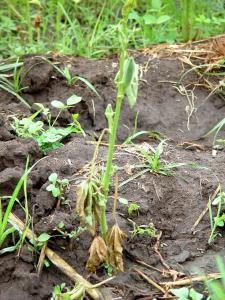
<point>115,250</point>
<point>98,254</point>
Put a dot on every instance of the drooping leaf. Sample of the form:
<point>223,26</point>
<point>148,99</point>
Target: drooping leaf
<point>115,250</point>
<point>98,254</point>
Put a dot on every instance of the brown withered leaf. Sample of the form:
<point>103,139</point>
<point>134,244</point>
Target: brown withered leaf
<point>82,191</point>
<point>84,206</point>
<point>98,254</point>
<point>115,250</point>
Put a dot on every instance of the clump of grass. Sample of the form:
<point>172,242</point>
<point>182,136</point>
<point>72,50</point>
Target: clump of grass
<point>13,86</point>
<point>6,231</point>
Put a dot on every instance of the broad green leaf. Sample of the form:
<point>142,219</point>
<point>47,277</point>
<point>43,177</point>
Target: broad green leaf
<point>156,4</point>
<point>64,182</point>
<point>74,99</point>
<point>58,104</point>
<point>163,19</point>
<point>195,295</point>
<point>149,19</point>
<point>44,237</point>
<point>55,191</point>
<point>181,293</point>
<point>50,187</point>
<point>53,177</point>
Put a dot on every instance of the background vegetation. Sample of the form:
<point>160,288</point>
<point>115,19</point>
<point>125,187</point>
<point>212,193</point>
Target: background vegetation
<point>89,27</point>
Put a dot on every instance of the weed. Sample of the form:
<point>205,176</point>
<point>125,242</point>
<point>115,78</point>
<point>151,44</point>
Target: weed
<point>134,134</point>
<point>13,86</point>
<point>4,216</point>
<point>216,288</point>
<point>148,230</point>
<point>219,219</point>
<point>78,292</point>
<point>50,138</point>
<point>57,186</point>
<point>109,269</point>
<point>185,293</point>
<point>65,72</point>
<point>216,129</point>
<point>155,164</point>
<point>133,207</point>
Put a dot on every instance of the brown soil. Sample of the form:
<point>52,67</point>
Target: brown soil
<point>171,203</point>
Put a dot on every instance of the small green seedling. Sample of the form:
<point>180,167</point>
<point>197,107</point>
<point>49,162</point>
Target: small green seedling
<point>155,164</point>
<point>50,138</point>
<point>133,207</point>
<point>109,269</point>
<point>57,187</point>
<point>148,230</point>
<point>185,293</point>
<point>41,240</point>
<point>219,219</point>
<point>78,292</point>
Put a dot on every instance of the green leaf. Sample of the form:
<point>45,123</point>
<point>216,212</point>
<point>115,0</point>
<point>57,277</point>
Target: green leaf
<point>129,5</point>
<point>44,237</point>
<point>50,187</point>
<point>123,201</point>
<point>156,4</point>
<point>55,191</point>
<point>53,177</point>
<point>74,99</point>
<point>58,104</point>
<point>181,293</point>
<point>149,19</point>
<point>163,19</point>
<point>195,295</point>
<point>90,85</point>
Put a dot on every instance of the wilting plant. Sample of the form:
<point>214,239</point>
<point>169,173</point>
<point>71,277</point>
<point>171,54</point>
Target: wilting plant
<point>93,193</point>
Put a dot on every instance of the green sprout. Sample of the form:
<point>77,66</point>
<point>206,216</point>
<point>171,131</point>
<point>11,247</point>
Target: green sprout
<point>57,187</point>
<point>219,219</point>
<point>50,138</point>
<point>133,207</point>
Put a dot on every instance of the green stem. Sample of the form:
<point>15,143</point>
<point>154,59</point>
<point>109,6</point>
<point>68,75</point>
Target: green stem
<point>187,18</point>
<point>112,140</point>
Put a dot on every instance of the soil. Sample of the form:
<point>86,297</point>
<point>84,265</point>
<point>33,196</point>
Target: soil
<point>171,203</point>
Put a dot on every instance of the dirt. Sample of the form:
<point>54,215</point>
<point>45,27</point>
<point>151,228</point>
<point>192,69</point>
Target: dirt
<point>171,203</point>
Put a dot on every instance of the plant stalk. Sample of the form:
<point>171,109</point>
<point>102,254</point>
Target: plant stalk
<point>112,141</point>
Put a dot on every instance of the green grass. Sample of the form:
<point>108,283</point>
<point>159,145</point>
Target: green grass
<point>89,28</point>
